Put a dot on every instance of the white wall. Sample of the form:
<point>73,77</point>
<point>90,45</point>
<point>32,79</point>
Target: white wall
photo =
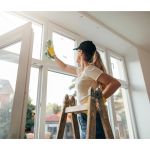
<point>140,100</point>
<point>145,64</point>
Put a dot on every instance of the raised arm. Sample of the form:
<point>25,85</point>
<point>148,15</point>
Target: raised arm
<point>112,84</point>
<point>64,67</point>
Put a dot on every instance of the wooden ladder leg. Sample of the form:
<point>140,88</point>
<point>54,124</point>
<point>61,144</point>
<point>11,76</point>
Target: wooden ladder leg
<point>103,115</point>
<point>63,117</point>
<point>75,126</point>
<point>91,117</point>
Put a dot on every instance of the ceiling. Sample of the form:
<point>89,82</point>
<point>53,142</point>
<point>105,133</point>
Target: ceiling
<point>133,26</point>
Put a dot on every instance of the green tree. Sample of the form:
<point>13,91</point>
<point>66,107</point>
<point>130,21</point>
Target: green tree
<point>30,115</point>
<point>54,108</point>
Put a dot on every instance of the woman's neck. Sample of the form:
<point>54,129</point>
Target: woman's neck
<point>84,65</point>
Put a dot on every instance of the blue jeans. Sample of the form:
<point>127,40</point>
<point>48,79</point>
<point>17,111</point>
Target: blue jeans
<point>82,118</point>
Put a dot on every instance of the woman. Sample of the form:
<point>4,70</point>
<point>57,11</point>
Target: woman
<point>92,73</point>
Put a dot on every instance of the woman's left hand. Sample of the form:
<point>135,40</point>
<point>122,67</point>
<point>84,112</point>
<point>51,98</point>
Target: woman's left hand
<point>112,84</point>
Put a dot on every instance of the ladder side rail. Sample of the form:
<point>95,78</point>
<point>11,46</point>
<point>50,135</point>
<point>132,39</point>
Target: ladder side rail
<point>91,117</point>
<point>103,115</point>
<point>75,126</point>
<point>63,117</point>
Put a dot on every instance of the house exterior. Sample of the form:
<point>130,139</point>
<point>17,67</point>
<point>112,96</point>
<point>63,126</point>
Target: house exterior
<point>6,91</point>
<point>51,125</point>
<point>121,121</point>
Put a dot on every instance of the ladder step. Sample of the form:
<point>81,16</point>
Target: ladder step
<point>77,109</point>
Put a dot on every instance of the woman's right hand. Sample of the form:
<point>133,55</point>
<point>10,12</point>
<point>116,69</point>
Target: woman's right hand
<point>51,50</point>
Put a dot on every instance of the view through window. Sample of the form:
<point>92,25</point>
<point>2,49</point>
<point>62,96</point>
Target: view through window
<point>122,114</point>
<point>58,86</point>
<point>31,106</point>
<point>117,68</point>
<point>63,48</point>
<point>8,77</point>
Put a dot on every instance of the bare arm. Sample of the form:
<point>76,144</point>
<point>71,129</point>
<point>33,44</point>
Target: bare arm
<point>112,84</point>
<point>64,67</point>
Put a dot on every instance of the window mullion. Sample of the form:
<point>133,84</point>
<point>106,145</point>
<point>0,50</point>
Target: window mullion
<point>37,109</point>
<point>43,102</point>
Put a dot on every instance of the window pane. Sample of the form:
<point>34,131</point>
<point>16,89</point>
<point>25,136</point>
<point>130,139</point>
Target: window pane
<point>10,21</point>
<point>15,48</point>
<point>58,86</point>
<point>30,118</point>
<point>63,48</point>
<point>122,114</point>
<point>102,54</point>
<point>117,68</point>
<point>8,76</point>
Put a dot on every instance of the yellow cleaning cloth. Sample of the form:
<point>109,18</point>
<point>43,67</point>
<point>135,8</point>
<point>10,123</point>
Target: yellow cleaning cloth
<point>96,104</point>
<point>51,50</point>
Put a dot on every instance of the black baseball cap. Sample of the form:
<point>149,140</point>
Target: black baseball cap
<point>87,46</point>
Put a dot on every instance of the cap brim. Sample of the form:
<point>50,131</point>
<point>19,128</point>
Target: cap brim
<point>75,48</point>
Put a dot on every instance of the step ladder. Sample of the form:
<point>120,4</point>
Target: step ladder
<point>94,97</point>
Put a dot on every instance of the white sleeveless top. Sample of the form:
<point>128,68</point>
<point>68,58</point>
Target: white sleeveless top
<point>85,81</point>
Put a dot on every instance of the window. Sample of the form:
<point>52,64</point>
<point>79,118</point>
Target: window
<point>7,87</point>
<point>122,113</point>
<point>31,106</point>
<point>117,68</point>
<point>120,100</point>
<point>58,86</point>
<point>10,21</point>
<point>63,47</point>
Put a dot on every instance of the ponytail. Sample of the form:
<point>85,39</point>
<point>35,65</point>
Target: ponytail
<point>97,61</point>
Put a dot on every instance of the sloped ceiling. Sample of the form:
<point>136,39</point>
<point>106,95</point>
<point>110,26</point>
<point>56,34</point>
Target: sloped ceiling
<point>134,26</point>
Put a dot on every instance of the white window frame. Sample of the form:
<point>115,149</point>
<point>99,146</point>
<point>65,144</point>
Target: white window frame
<point>124,84</point>
<point>25,34</point>
<point>55,28</point>
<point>117,56</point>
<point>37,63</point>
<point>50,65</point>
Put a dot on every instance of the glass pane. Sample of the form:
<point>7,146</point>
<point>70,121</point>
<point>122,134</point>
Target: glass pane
<point>15,48</point>
<point>58,86</point>
<point>33,86</point>
<point>10,21</point>
<point>102,54</point>
<point>122,114</point>
<point>117,68</point>
<point>63,48</point>
<point>7,87</point>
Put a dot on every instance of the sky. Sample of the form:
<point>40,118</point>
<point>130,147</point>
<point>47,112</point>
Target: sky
<point>58,84</point>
